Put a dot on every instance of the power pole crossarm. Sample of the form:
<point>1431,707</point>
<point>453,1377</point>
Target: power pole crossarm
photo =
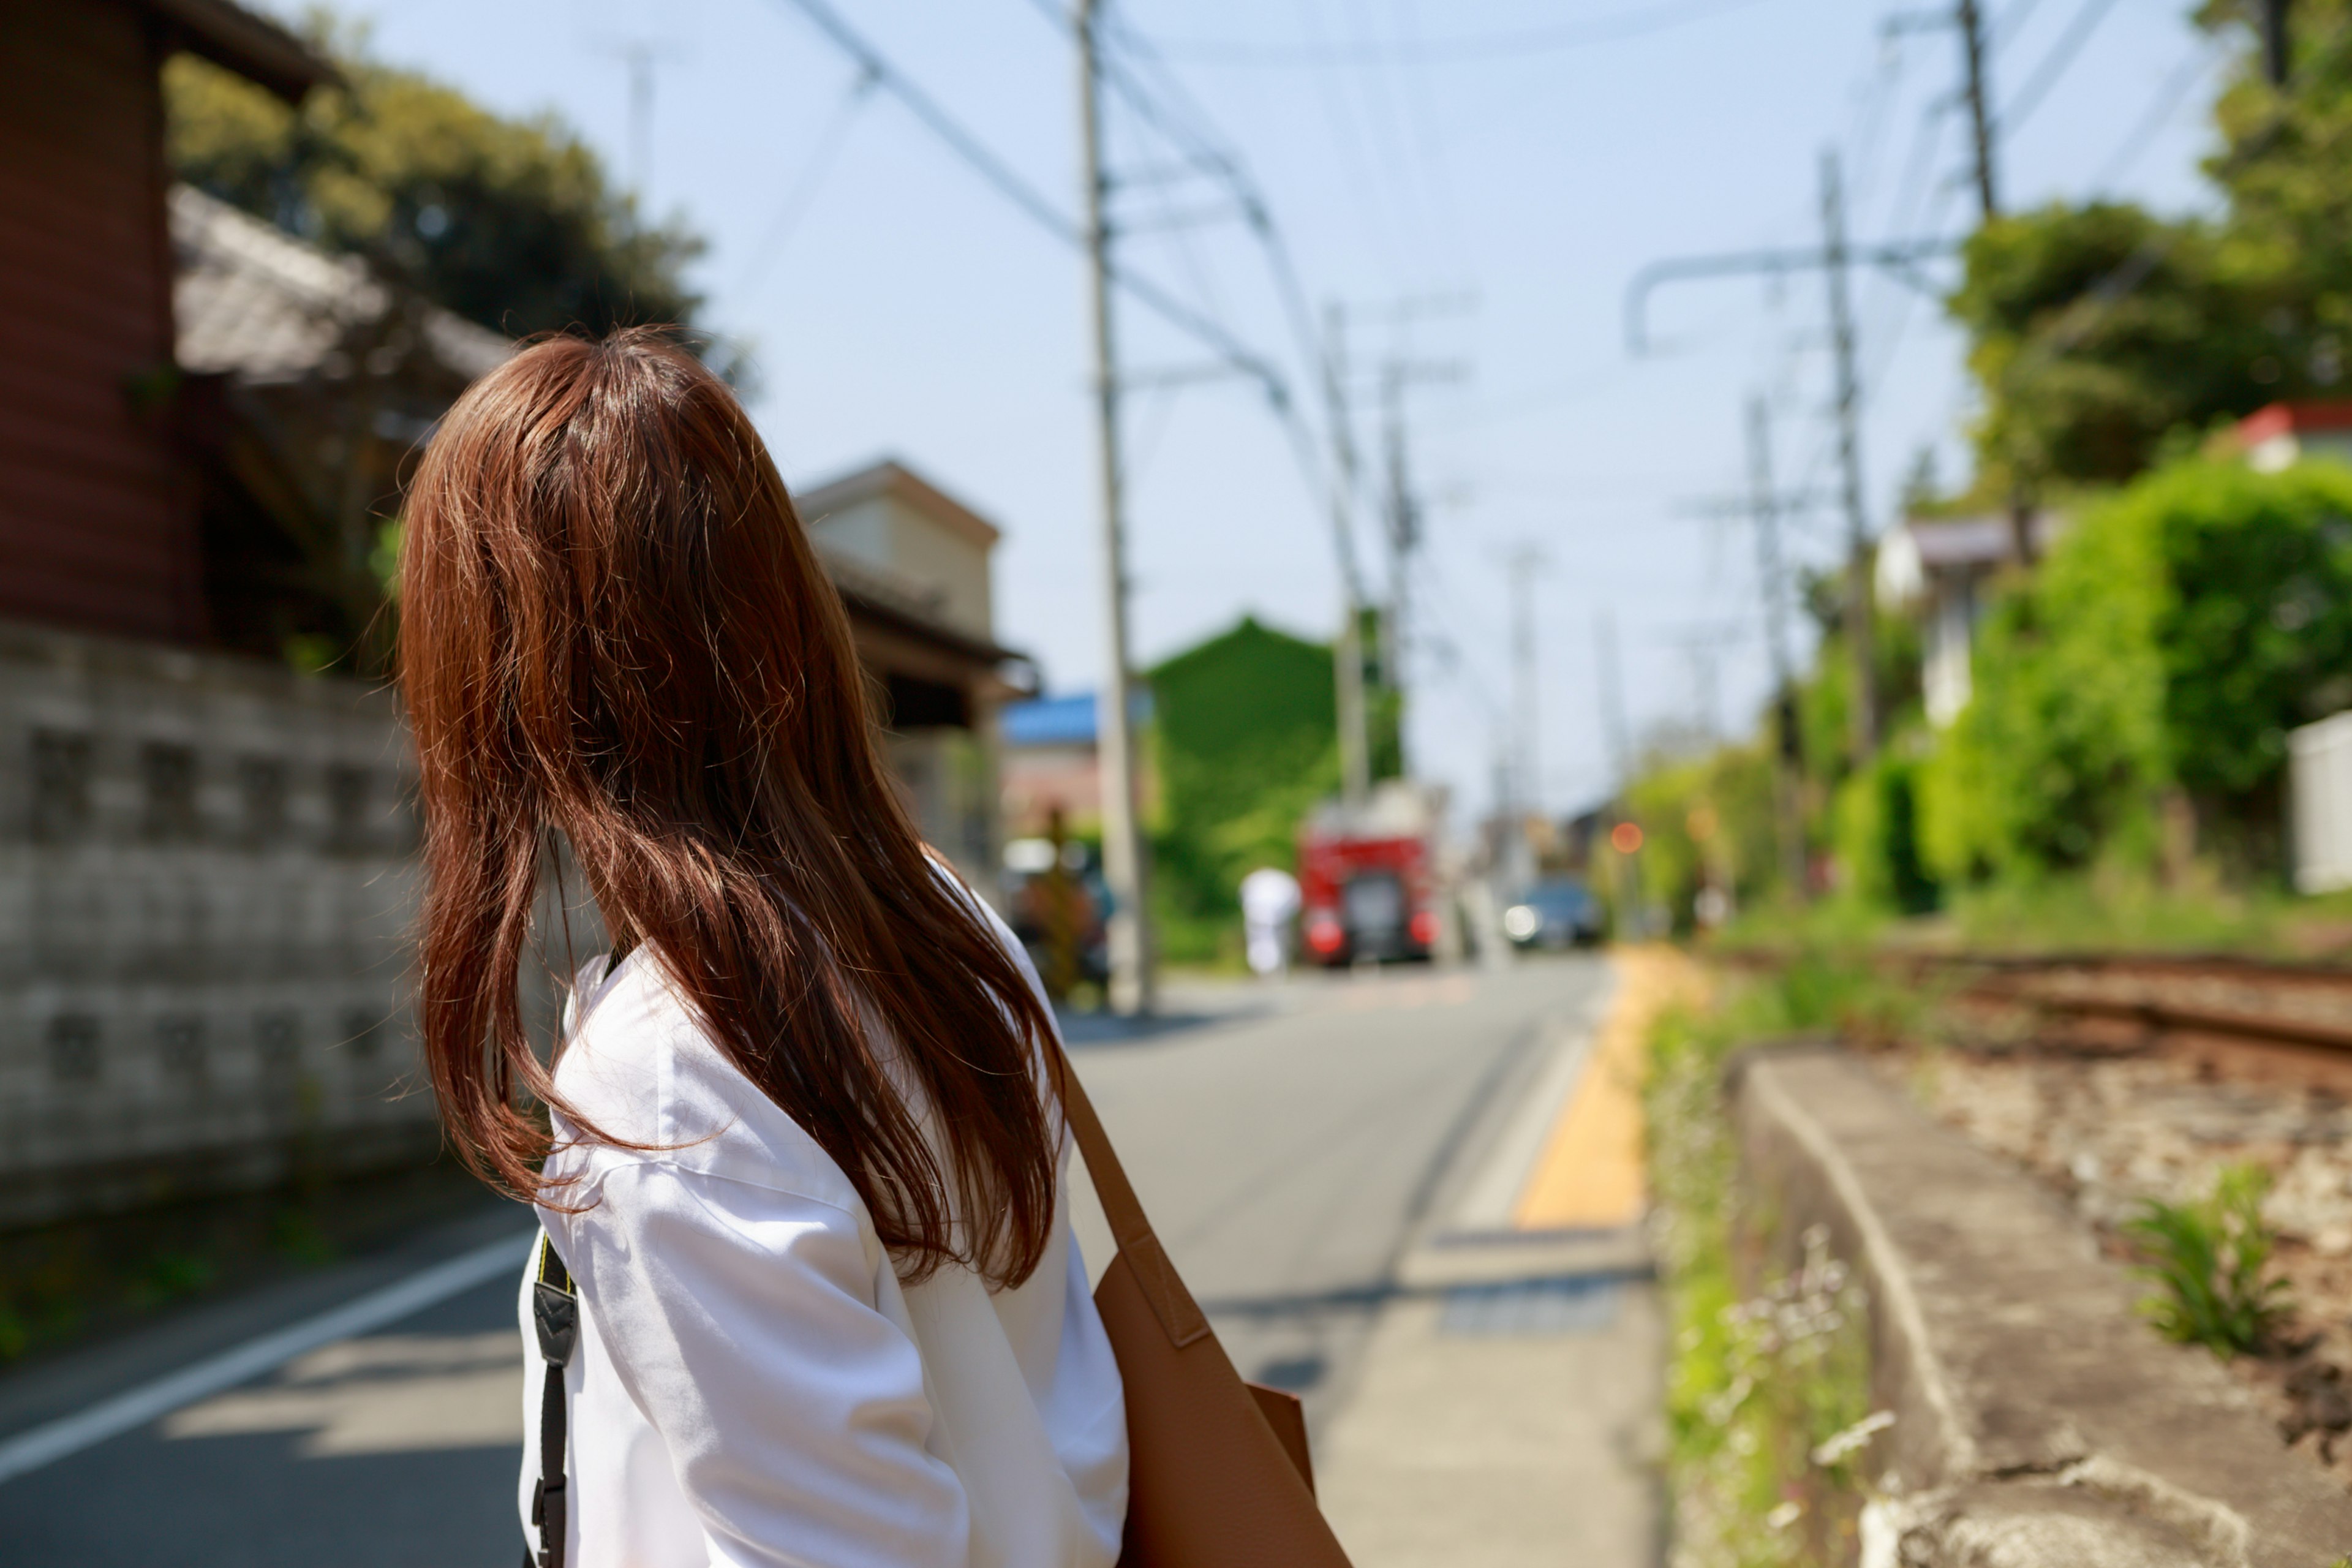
<point>1899,258</point>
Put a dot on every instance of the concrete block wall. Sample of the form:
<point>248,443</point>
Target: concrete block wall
<point>206,881</point>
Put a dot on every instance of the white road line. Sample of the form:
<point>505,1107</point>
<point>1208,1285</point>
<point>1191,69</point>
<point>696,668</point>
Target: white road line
<point>54,1440</point>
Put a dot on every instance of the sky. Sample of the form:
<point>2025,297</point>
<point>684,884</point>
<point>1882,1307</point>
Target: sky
<point>1472,186</point>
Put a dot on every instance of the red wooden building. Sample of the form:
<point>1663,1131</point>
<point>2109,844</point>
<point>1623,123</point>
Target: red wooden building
<point>98,502</point>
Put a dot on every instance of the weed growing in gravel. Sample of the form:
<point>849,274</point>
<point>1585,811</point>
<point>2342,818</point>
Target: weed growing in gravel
<point>2210,1258</point>
<point>1768,1393</point>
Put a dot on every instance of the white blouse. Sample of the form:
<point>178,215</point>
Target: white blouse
<point>753,1383</point>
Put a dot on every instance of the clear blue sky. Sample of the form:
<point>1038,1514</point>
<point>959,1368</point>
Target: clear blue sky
<point>1505,150</point>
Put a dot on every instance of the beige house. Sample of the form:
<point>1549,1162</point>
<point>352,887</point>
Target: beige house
<point>913,564</point>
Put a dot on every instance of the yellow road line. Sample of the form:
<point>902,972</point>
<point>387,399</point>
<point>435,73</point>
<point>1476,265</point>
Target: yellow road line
<point>1589,1175</point>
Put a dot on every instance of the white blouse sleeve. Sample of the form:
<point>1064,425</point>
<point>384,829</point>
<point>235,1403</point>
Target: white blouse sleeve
<point>744,1324</point>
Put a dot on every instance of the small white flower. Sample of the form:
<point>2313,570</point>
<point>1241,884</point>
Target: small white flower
<point>1855,1439</point>
<point>1787,1514</point>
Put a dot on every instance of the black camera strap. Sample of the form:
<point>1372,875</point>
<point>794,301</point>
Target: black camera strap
<point>555,1312</point>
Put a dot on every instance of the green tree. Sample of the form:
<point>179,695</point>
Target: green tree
<point>2082,380</point>
<point>1705,819</point>
<point>2099,333</point>
<point>508,222</point>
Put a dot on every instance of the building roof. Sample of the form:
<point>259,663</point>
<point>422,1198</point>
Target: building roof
<point>1067,721</point>
<point>252,46</point>
<point>893,479</point>
<point>252,301</point>
<point>1918,550</point>
<point>2294,419</point>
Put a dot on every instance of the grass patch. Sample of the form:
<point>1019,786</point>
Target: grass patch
<point>1768,1385</point>
<point>2096,912</point>
<point>2210,1260</point>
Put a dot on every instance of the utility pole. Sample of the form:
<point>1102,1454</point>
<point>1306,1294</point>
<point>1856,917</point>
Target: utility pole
<point>1125,865</point>
<point>1403,538</point>
<point>1404,515</point>
<point>1834,259</point>
<point>1858,638</point>
<point>1764,512</point>
<point>1523,565</point>
<point>642,56</point>
<point>1347,649</point>
<point>2276,42</point>
<point>1610,688</point>
<point>1980,92</point>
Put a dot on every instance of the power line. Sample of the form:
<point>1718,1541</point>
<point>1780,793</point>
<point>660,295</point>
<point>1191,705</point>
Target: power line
<point>802,192</point>
<point>2161,108</point>
<point>2053,64</point>
<point>1540,40</point>
<point>1011,186</point>
<point>2010,23</point>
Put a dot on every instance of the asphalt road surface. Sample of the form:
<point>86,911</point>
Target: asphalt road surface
<point>1288,1140</point>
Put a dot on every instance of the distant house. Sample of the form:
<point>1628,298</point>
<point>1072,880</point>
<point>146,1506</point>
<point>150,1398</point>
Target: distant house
<point>1051,764</point>
<point>914,566</point>
<point>1935,570</point>
<point>2284,433</point>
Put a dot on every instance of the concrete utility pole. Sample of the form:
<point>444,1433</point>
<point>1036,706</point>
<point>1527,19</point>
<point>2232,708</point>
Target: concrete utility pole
<point>1523,565</point>
<point>1348,648</point>
<point>1610,688</point>
<point>1404,539</point>
<point>1125,865</point>
<point>1764,512</point>
<point>1859,631</point>
<point>1404,517</point>
<point>1970,22</point>
<point>2277,42</point>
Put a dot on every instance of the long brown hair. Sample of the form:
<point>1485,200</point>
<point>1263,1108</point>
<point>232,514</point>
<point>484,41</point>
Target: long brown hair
<point>615,634</point>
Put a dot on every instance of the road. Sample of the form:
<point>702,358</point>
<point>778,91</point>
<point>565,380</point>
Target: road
<point>1289,1141</point>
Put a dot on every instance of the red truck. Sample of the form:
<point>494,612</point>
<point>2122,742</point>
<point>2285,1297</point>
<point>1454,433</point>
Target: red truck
<point>1366,880</point>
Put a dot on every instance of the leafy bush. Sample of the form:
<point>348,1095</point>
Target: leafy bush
<point>2168,642</point>
<point>1878,836</point>
<point>2210,1258</point>
<point>1706,818</point>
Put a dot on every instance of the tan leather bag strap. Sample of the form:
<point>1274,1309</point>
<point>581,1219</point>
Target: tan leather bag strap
<point>1178,1313</point>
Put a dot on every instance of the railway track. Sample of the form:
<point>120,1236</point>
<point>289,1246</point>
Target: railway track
<point>2219,998</point>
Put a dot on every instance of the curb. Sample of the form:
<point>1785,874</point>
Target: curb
<point>2040,1424</point>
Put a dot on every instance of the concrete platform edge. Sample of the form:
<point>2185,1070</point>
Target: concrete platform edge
<point>2040,1424</point>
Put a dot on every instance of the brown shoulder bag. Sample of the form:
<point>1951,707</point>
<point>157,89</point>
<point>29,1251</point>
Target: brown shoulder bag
<point>1217,1469</point>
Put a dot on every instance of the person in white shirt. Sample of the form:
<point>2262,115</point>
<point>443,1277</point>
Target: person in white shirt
<point>803,1161</point>
<point>1270,901</point>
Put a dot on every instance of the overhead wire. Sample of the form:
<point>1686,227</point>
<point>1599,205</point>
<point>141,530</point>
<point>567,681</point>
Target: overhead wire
<point>2010,23</point>
<point>800,193</point>
<point>2170,95</point>
<point>1016,190</point>
<point>2054,64</point>
<point>1535,40</point>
